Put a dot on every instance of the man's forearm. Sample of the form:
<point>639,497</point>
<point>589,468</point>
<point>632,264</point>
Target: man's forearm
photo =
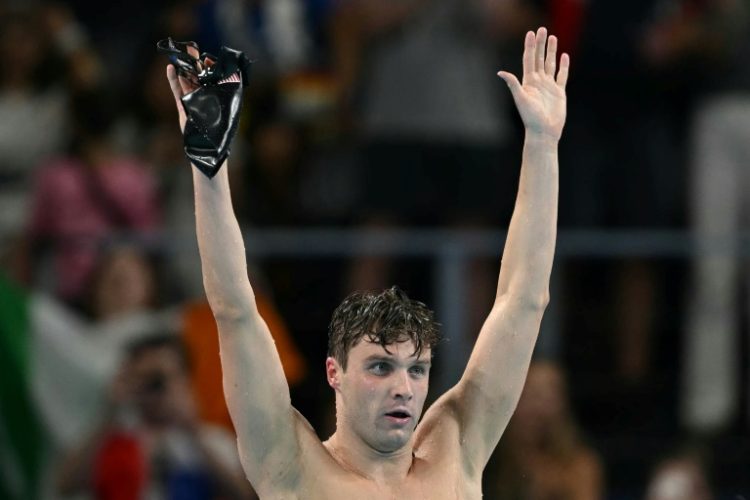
<point>530,247</point>
<point>221,247</point>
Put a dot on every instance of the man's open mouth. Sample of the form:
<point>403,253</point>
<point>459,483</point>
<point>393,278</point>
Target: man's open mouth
<point>398,415</point>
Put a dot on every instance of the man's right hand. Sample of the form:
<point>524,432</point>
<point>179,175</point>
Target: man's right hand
<point>181,86</point>
<point>208,96</point>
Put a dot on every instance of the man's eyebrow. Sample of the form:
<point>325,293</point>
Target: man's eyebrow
<point>381,357</point>
<point>378,357</point>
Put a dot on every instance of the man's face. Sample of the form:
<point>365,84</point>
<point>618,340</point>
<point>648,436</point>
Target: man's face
<point>381,393</point>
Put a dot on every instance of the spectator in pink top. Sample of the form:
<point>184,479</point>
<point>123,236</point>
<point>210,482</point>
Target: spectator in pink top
<point>81,200</point>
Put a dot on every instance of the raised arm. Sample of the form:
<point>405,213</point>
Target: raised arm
<point>488,392</point>
<point>256,390</point>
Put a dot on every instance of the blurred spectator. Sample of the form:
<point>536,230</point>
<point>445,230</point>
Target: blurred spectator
<point>92,194</point>
<point>147,130</point>
<point>542,454</point>
<point>276,34</point>
<point>147,126</point>
<point>84,351</point>
<point>135,46</point>
<point>429,111</point>
<point>46,59</point>
<point>680,477</point>
<point>622,147</point>
<point>292,95</point>
<point>123,283</point>
<point>59,361</point>
<point>150,442</point>
<point>418,86</point>
<point>720,152</point>
<point>43,342</point>
<point>275,166</point>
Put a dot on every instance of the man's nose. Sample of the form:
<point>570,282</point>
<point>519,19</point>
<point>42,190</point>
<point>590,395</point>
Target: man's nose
<point>402,388</point>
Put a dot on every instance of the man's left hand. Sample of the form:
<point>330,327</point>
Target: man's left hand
<point>540,99</point>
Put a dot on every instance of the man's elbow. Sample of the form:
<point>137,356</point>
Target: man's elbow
<point>539,301</point>
<point>527,301</point>
<point>232,310</point>
<point>229,315</point>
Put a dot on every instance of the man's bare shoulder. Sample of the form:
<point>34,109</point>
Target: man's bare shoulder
<point>318,475</point>
<point>434,473</point>
<point>440,426</point>
<point>442,433</point>
<point>287,480</point>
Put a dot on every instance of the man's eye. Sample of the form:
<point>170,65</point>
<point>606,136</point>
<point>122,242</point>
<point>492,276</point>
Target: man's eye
<point>418,370</point>
<point>380,368</point>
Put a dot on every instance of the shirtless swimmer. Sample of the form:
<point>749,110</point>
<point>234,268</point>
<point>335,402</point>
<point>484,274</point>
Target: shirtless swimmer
<point>380,344</point>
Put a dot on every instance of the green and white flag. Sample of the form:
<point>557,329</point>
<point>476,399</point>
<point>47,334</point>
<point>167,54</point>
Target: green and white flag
<point>54,370</point>
<point>21,436</point>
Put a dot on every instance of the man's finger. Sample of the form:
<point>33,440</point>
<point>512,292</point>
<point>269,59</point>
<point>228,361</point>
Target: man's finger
<point>174,83</point>
<point>562,75</point>
<point>186,84</point>
<point>541,42</point>
<point>179,85</point>
<point>513,84</point>
<point>551,62</point>
<point>528,53</point>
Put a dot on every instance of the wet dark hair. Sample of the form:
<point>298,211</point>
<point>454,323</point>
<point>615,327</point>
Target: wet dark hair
<point>384,318</point>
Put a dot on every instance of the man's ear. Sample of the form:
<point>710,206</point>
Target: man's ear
<point>333,372</point>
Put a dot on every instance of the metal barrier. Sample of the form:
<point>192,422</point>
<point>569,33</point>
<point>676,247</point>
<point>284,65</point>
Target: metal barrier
<point>452,249</point>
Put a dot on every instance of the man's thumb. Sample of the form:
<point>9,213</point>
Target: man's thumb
<point>511,80</point>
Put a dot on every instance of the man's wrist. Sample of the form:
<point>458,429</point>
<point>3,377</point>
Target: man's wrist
<point>540,139</point>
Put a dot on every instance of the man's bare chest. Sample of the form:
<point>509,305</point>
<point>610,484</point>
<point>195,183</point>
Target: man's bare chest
<point>444,481</point>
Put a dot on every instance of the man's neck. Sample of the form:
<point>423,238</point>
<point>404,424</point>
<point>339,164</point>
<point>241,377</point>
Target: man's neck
<point>355,455</point>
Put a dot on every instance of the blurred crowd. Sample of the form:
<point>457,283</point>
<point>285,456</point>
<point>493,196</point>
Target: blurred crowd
<point>375,114</point>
